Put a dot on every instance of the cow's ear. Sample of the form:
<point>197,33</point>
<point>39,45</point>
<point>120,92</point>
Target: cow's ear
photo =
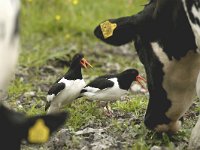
<point>39,128</point>
<point>116,31</point>
<point>124,30</point>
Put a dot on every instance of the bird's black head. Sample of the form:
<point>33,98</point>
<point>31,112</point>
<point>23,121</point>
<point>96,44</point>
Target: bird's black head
<point>79,60</point>
<point>130,73</point>
<point>76,59</point>
<point>126,78</point>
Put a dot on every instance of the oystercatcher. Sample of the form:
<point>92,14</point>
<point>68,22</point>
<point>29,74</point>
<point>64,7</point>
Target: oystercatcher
<point>67,88</point>
<point>109,88</point>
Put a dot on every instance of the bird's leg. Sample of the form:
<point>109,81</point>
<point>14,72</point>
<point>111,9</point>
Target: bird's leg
<point>108,111</point>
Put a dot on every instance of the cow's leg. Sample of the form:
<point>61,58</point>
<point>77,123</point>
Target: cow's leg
<point>179,83</point>
<point>198,86</point>
<point>194,143</point>
<point>171,84</point>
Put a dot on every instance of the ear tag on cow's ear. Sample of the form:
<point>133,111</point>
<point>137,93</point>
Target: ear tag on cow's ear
<point>107,28</point>
<point>39,132</point>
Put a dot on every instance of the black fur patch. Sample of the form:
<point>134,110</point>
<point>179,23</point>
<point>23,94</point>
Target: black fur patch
<point>158,102</point>
<point>175,34</point>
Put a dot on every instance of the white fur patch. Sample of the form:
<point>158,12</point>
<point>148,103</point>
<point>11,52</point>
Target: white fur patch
<point>172,127</point>
<point>9,45</point>
<point>179,80</point>
<point>195,27</point>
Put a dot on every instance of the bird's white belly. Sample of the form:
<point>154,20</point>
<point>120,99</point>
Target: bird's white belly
<point>111,94</point>
<point>69,94</point>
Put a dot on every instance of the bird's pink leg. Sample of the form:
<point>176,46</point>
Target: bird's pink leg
<point>108,111</point>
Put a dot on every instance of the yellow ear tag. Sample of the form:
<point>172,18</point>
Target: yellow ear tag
<point>39,132</point>
<point>107,28</point>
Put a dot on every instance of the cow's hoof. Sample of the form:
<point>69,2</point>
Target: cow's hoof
<point>172,127</point>
<point>194,143</point>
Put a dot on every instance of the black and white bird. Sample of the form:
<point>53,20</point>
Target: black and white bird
<point>67,88</point>
<point>109,88</point>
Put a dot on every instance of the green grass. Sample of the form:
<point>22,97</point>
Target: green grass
<point>44,37</point>
<point>47,41</point>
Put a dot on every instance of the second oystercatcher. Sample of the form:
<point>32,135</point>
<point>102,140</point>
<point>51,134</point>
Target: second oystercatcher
<point>109,88</point>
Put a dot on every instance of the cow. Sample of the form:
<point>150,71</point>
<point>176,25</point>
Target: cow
<point>15,126</point>
<point>192,8</point>
<point>9,40</point>
<point>167,45</point>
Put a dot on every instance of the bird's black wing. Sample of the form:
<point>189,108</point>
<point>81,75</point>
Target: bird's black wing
<point>101,83</point>
<point>106,76</point>
<point>56,88</point>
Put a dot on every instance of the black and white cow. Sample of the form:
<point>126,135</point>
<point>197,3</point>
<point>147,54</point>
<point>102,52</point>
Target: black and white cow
<point>192,8</point>
<point>14,126</point>
<point>166,45</point>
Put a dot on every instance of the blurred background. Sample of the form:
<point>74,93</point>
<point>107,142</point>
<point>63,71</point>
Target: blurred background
<point>52,28</point>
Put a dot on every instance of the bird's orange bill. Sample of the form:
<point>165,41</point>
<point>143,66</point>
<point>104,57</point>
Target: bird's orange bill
<point>85,63</point>
<point>140,81</point>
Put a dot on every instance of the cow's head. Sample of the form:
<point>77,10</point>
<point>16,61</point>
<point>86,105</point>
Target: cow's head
<point>15,127</point>
<point>165,44</point>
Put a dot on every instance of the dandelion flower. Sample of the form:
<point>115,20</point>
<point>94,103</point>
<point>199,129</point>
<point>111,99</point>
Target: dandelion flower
<point>75,2</point>
<point>57,17</point>
<point>67,36</point>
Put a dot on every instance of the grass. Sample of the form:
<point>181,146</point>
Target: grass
<point>51,32</point>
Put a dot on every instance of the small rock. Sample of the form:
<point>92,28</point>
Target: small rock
<point>89,130</point>
<point>20,106</point>
<point>29,94</point>
<point>158,148</point>
<point>112,68</point>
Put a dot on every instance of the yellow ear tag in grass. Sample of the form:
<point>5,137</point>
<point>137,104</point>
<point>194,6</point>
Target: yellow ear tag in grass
<point>107,28</point>
<point>39,132</point>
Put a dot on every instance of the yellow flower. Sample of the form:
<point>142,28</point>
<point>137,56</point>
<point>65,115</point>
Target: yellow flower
<point>67,36</point>
<point>57,17</point>
<point>75,2</point>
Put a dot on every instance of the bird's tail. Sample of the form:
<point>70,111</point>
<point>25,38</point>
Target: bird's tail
<point>47,105</point>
